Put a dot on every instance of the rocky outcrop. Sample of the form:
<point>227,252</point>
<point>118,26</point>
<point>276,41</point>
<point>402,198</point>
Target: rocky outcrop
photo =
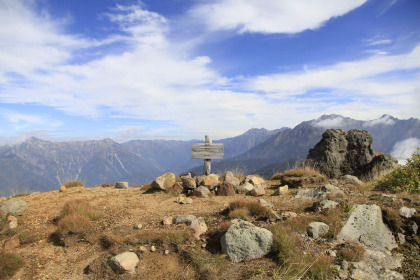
<point>340,153</point>
<point>245,241</point>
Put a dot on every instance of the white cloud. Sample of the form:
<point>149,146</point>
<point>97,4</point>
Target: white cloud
<point>405,148</point>
<point>271,16</point>
<point>329,123</point>
<point>385,120</point>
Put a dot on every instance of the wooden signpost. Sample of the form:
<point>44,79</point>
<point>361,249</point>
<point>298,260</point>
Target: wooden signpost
<point>207,151</point>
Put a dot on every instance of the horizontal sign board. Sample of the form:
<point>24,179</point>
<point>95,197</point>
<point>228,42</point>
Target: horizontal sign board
<point>207,151</point>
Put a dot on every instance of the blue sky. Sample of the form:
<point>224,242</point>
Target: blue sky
<point>180,69</point>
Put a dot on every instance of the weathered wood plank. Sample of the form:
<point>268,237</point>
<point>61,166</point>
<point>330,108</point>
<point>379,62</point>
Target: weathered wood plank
<point>207,151</point>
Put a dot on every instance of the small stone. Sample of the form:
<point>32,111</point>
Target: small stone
<point>125,262</point>
<point>138,226</point>
<point>259,191</point>
<point>332,253</point>
<point>203,245</point>
<point>328,204</point>
<point>265,203</point>
<point>13,222</point>
<point>12,243</point>
<point>152,249</point>
<point>168,221</point>
<point>189,183</point>
<point>121,185</point>
<point>245,188</point>
<point>406,212</point>
<point>63,189</point>
<point>166,252</point>
<point>184,219</point>
<point>282,190</point>
<point>143,249</point>
<point>317,229</point>
<point>199,226</point>
<point>225,189</point>
<point>401,238</point>
<point>288,215</point>
<point>413,227</point>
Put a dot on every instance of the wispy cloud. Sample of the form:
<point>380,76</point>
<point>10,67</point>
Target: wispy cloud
<point>264,16</point>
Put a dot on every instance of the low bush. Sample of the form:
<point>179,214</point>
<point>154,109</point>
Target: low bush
<point>73,184</point>
<point>405,177</point>
<point>110,242</point>
<point>10,263</point>
<point>239,213</point>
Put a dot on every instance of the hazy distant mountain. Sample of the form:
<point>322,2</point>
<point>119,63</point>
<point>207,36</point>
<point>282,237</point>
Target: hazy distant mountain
<point>282,150</point>
<point>43,165</point>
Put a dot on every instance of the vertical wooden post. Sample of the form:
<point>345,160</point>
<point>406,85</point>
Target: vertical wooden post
<point>207,162</point>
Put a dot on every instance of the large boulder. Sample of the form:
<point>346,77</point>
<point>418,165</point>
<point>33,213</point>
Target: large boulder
<point>14,207</point>
<point>189,183</point>
<point>340,153</point>
<point>365,225</point>
<point>255,180</point>
<point>245,241</point>
<point>164,182</point>
<point>226,189</point>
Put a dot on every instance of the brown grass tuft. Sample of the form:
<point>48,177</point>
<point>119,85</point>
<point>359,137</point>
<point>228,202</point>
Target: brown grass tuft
<point>74,224</point>
<point>351,251</point>
<point>80,207</point>
<point>73,184</point>
<point>254,208</point>
<point>10,263</point>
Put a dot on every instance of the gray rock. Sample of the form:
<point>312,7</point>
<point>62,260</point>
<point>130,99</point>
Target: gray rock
<point>121,185</point>
<point>164,182</point>
<point>245,241</point>
<point>14,207</point>
<point>406,212</point>
<point>365,225</point>
<point>328,204</point>
<point>401,238</point>
<point>184,219</point>
<point>202,192</point>
<point>245,188</point>
<point>351,179</point>
<point>199,226</point>
<point>318,192</point>
<point>317,229</point>
<point>377,265</point>
<point>265,203</point>
<point>282,190</point>
<point>124,263</point>
<point>258,191</point>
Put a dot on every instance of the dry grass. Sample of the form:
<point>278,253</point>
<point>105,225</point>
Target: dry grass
<point>296,259</point>
<point>351,251</point>
<point>107,185</point>
<point>73,184</point>
<point>80,207</point>
<point>240,213</point>
<point>299,177</point>
<point>161,236</point>
<point>392,218</point>
<point>110,242</point>
<point>254,208</point>
<point>206,264</point>
<point>74,224</point>
<point>10,263</point>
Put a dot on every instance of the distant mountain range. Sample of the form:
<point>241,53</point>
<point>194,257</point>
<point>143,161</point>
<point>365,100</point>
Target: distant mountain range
<point>43,165</point>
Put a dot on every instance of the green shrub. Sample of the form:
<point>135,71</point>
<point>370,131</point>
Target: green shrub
<point>73,184</point>
<point>9,264</point>
<point>405,177</point>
